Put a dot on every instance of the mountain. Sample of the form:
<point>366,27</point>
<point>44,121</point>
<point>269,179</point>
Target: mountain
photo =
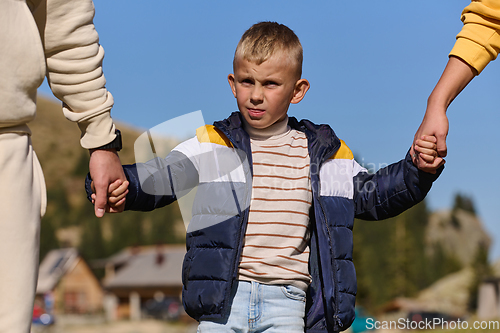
<point>459,233</point>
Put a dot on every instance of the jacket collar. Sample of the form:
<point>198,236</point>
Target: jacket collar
<point>322,141</point>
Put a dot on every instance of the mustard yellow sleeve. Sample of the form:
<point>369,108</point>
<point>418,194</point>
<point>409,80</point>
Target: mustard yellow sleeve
<point>479,41</point>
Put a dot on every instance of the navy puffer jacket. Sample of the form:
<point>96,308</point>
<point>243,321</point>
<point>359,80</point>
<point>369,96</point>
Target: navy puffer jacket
<point>218,162</point>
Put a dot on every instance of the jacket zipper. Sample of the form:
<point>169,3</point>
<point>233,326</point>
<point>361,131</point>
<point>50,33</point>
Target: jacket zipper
<point>244,216</point>
<point>334,265</point>
<point>337,321</point>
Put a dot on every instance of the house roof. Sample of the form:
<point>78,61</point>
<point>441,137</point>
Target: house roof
<point>117,259</point>
<point>55,264</point>
<point>148,267</point>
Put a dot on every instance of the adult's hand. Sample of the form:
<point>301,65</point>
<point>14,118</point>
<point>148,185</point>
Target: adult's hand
<point>435,123</point>
<point>456,75</point>
<point>105,168</point>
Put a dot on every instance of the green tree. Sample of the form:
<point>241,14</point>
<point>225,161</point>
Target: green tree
<point>82,165</point>
<point>48,239</point>
<point>58,207</point>
<point>441,263</point>
<point>93,245</point>
<point>464,202</point>
<point>126,230</point>
<point>482,270</point>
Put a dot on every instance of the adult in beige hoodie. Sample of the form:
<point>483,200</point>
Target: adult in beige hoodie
<point>57,39</point>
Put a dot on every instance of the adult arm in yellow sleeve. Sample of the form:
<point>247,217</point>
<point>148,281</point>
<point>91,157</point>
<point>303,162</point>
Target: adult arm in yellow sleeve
<point>477,44</point>
<point>479,41</point>
<point>456,75</point>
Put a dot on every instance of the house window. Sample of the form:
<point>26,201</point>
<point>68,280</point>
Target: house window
<point>75,302</point>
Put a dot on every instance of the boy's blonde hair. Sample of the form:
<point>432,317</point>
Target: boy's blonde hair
<point>264,39</point>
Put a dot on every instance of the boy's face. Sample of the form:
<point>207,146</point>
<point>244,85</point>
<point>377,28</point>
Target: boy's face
<point>264,92</point>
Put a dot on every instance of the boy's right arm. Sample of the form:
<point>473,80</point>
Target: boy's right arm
<point>156,183</point>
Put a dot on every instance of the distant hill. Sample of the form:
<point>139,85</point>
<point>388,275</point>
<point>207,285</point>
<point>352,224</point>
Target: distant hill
<point>459,233</point>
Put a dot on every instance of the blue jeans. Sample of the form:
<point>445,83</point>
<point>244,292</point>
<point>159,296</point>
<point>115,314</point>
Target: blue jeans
<point>259,308</point>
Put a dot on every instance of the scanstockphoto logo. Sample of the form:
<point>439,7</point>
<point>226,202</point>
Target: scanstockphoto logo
<point>435,323</point>
<point>184,159</point>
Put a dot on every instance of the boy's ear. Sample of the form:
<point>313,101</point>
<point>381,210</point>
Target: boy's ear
<point>301,87</point>
<point>230,79</point>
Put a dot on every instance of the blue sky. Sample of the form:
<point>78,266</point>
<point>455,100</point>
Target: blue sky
<point>371,65</point>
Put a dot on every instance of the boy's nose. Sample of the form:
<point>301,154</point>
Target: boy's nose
<point>257,95</point>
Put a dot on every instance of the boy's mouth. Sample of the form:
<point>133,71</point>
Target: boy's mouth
<point>256,113</point>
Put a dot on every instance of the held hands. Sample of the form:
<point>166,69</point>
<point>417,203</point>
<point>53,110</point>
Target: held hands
<point>117,193</point>
<point>105,169</point>
<point>425,154</point>
<point>435,123</point>
<point>454,79</point>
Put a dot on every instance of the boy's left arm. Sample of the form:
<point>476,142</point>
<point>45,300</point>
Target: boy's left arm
<point>391,190</point>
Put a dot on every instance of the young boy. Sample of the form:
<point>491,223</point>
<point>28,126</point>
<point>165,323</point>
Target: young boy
<point>269,247</point>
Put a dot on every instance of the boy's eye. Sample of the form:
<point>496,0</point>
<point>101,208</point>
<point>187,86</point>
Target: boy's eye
<point>271,84</point>
<point>246,82</point>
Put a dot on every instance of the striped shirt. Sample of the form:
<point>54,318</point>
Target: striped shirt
<point>276,247</point>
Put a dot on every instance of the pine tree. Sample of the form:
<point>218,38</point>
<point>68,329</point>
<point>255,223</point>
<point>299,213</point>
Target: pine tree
<point>48,239</point>
<point>92,245</point>
<point>464,202</point>
<point>482,270</point>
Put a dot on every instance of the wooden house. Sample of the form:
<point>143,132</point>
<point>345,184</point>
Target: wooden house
<point>66,284</point>
<point>140,276</point>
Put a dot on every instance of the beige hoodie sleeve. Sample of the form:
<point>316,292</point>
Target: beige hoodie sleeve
<point>479,41</point>
<point>74,66</point>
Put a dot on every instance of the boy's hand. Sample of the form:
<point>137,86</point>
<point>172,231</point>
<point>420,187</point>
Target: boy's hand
<point>117,193</point>
<point>425,155</point>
